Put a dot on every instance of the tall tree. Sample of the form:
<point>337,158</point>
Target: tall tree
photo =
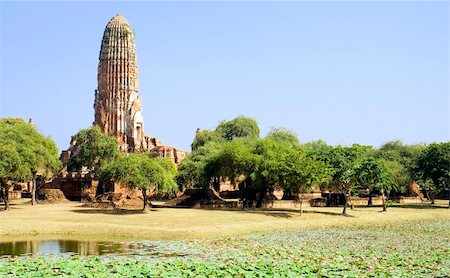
<point>261,165</point>
<point>139,171</point>
<point>94,149</point>
<point>270,167</point>
<point>434,164</point>
<point>24,152</point>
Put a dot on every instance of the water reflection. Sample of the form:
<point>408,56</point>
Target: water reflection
<point>56,247</point>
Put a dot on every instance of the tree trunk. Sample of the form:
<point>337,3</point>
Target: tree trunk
<point>144,195</point>
<point>33,190</point>
<point>262,195</point>
<point>344,212</point>
<point>6,201</point>
<point>301,205</point>
<point>369,203</point>
<point>216,184</point>
<point>4,194</point>
<point>383,198</point>
<point>350,200</point>
<point>432,197</point>
<point>287,194</point>
<point>448,184</point>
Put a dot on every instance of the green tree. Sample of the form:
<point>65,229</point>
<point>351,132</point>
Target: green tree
<point>434,164</point>
<point>206,146</point>
<point>395,176</point>
<point>284,135</point>
<point>321,153</point>
<point>11,169</point>
<point>24,152</point>
<point>94,149</point>
<point>240,126</point>
<point>191,171</point>
<point>371,172</point>
<point>202,137</point>
<point>300,173</point>
<point>260,166</point>
<point>139,171</point>
<point>342,164</point>
<point>406,156</point>
<point>269,167</point>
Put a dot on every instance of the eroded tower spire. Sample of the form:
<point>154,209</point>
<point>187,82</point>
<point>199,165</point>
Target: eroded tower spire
<point>117,104</point>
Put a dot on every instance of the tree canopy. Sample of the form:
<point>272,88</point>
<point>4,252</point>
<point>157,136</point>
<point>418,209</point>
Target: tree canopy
<point>258,165</point>
<point>434,164</point>
<point>404,155</point>
<point>284,135</point>
<point>371,173</point>
<point>142,172</point>
<point>94,149</point>
<point>240,126</point>
<point>235,152</point>
<point>24,152</point>
<point>204,136</point>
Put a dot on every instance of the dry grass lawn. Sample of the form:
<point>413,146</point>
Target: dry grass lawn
<point>68,221</point>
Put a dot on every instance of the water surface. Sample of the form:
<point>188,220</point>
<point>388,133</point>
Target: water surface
<point>85,248</point>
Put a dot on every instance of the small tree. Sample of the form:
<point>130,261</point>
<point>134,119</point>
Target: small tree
<point>371,172</point>
<point>342,167</point>
<point>139,171</point>
<point>316,173</point>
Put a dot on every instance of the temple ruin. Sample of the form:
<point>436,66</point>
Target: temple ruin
<point>117,104</point>
<point>118,110</point>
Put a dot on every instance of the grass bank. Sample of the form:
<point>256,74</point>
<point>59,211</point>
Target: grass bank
<point>66,221</point>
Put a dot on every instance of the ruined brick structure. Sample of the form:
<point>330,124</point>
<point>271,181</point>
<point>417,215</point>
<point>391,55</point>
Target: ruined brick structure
<point>117,105</point>
<point>118,111</point>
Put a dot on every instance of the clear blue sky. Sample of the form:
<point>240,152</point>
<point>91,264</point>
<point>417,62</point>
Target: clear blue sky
<point>344,72</point>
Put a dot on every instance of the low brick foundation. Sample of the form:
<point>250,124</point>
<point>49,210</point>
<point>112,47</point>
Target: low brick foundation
<point>295,204</point>
<point>15,194</point>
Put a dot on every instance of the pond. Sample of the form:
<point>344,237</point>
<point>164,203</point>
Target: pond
<point>84,248</point>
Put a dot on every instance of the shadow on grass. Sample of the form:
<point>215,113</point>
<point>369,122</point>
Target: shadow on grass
<point>408,206</point>
<point>12,206</point>
<point>118,211</point>
<point>328,213</point>
<point>278,214</point>
<point>287,213</point>
<point>418,206</point>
